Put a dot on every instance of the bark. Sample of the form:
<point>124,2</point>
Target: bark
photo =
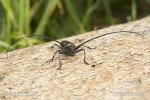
<point>119,68</point>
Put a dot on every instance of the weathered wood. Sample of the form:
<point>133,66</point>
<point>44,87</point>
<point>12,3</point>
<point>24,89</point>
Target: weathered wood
<point>119,68</point>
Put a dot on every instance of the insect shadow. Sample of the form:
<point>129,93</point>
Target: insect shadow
<point>68,48</point>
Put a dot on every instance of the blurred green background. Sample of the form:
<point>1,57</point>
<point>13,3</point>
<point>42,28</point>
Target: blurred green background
<point>62,18</point>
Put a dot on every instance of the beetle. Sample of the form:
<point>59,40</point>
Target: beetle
<point>70,49</point>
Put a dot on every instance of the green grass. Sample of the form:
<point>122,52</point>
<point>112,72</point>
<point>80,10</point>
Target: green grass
<point>62,18</point>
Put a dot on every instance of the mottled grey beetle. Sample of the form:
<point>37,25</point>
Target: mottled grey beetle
<point>70,49</point>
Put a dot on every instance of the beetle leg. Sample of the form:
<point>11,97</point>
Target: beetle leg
<point>51,58</point>
<point>55,45</point>
<point>60,64</point>
<point>84,55</point>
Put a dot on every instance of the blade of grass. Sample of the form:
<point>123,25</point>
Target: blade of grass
<point>21,15</point>
<point>2,22</point>
<point>133,9</point>
<point>47,14</point>
<point>15,10</point>
<point>3,44</point>
<point>6,6</point>
<point>9,15</point>
<point>27,17</point>
<point>35,8</point>
<point>109,18</point>
<point>74,15</point>
<point>89,11</point>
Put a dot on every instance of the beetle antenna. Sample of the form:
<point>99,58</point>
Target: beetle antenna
<point>25,37</point>
<point>105,35</point>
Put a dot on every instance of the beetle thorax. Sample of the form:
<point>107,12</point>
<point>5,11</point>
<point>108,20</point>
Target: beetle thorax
<point>67,48</point>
